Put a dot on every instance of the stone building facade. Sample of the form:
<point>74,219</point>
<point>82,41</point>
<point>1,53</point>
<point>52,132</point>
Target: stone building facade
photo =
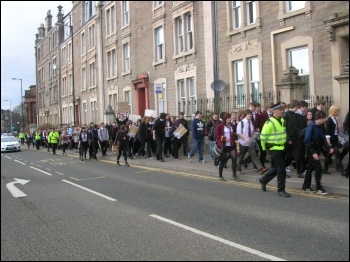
<point>165,55</point>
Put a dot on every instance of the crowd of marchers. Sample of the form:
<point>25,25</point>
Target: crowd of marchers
<point>292,135</point>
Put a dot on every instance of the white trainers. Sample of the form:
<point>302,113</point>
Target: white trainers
<point>321,191</point>
<point>288,169</point>
<point>189,158</point>
<point>201,161</point>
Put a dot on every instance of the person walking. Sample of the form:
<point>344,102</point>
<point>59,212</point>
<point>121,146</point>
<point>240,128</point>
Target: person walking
<point>122,141</point>
<point>158,135</point>
<point>247,142</point>
<point>53,138</point>
<point>94,141</point>
<point>184,138</point>
<point>273,138</point>
<point>64,141</point>
<point>37,139</point>
<point>83,143</point>
<point>314,141</point>
<point>210,128</point>
<point>226,139</point>
<point>198,134</point>
<point>103,137</point>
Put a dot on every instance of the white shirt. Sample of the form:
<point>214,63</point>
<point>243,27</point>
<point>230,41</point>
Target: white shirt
<point>245,131</point>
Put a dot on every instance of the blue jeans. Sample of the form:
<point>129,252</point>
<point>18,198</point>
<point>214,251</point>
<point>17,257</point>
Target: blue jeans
<point>211,148</point>
<point>197,144</point>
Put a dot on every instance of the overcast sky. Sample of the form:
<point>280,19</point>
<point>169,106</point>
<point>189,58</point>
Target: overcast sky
<point>19,24</point>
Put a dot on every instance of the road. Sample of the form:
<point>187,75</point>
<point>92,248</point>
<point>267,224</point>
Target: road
<point>96,210</point>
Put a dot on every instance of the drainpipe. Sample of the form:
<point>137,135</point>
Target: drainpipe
<point>99,4</point>
<point>215,54</point>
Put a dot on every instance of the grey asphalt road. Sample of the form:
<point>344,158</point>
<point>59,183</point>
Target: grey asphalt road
<point>95,210</point>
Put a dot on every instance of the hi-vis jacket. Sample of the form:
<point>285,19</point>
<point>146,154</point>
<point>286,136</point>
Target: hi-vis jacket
<point>273,135</point>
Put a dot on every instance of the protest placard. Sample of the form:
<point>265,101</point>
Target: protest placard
<point>133,130</point>
<point>150,112</point>
<point>123,107</point>
<point>180,131</point>
<point>134,118</point>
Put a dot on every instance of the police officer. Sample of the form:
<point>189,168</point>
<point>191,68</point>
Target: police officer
<point>273,138</point>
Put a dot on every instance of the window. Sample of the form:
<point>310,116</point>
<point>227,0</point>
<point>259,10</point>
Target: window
<point>83,44</point>
<point>93,111</point>
<point>92,75</point>
<point>299,58</point>
<point>111,63</point>
<point>111,20</point>
<point>254,78</point>
<point>126,58</point>
<point>64,56</point>
<point>50,70</point>
<point>69,53</point>
<point>90,9</point>
<point>92,37</point>
<point>55,94</point>
<point>50,44</point>
<point>66,30</point>
<point>239,82</point>
<point>179,35</point>
<point>127,97</point>
<point>125,8</point>
<point>85,113</point>
<point>187,93</point>
<point>70,91</point>
<point>54,65</point>
<point>157,3</point>
<point>83,79</point>
<point>42,75</point>
<point>189,37</point>
<point>113,100</point>
<point>236,14</point>
<point>64,86</point>
<point>251,12</point>
<point>159,43</point>
<point>294,5</point>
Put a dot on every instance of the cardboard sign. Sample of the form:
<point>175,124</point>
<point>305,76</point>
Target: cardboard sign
<point>134,118</point>
<point>133,130</point>
<point>150,112</point>
<point>180,131</point>
<point>123,107</point>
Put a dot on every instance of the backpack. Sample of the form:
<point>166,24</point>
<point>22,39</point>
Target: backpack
<point>212,131</point>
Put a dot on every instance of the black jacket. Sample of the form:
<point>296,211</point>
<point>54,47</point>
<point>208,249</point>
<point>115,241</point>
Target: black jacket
<point>291,125</point>
<point>330,130</point>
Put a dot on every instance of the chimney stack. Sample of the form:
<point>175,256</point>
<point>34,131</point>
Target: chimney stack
<point>48,21</point>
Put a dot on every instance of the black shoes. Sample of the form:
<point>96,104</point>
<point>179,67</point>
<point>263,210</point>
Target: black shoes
<point>325,171</point>
<point>302,175</point>
<point>162,160</point>
<point>221,178</point>
<point>126,164</point>
<point>263,185</point>
<point>283,194</point>
<point>118,163</point>
<point>287,176</point>
<point>245,163</point>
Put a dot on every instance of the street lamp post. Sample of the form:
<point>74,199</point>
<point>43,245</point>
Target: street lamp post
<point>22,102</point>
<point>10,114</point>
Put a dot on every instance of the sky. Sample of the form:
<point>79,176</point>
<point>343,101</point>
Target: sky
<point>19,24</point>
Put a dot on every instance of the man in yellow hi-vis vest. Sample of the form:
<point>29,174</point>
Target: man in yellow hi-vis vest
<point>273,138</point>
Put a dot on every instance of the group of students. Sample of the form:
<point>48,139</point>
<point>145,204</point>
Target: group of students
<point>293,135</point>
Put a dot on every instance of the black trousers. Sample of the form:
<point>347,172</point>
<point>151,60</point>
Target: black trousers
<point>176,145</point>
<point>278,168</point>
<point>184,140</point>
<point>159,142</point>
<point>313,165</point>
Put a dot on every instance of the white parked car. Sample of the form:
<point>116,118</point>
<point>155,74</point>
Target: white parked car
<point>10,143</point>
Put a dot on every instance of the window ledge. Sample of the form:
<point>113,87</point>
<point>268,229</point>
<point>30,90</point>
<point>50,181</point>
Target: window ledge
<point>155,63</point>
<point>184,54</point>
<point>126,73</point>
<point>282,15</point>
<point>92,87</point>
<point>244,29</point>
<point>111,78</point>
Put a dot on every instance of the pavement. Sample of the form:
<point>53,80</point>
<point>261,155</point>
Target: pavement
<point>333,183</point>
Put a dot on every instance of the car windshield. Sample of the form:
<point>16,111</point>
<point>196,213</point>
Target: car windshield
<point>8,139</point>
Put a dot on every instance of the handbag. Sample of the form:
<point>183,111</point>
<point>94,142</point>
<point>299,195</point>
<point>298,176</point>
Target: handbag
<point>343,138</point>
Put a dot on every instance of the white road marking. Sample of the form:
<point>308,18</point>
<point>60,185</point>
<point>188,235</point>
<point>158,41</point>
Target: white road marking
<point>227,242</point>
<point>41,171</point>
<point>20,162</point>
<point>80,179</point>
<point>14,190</point>
<point>60,173</point>
<point>89,190</point>
<point>8,157</point>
